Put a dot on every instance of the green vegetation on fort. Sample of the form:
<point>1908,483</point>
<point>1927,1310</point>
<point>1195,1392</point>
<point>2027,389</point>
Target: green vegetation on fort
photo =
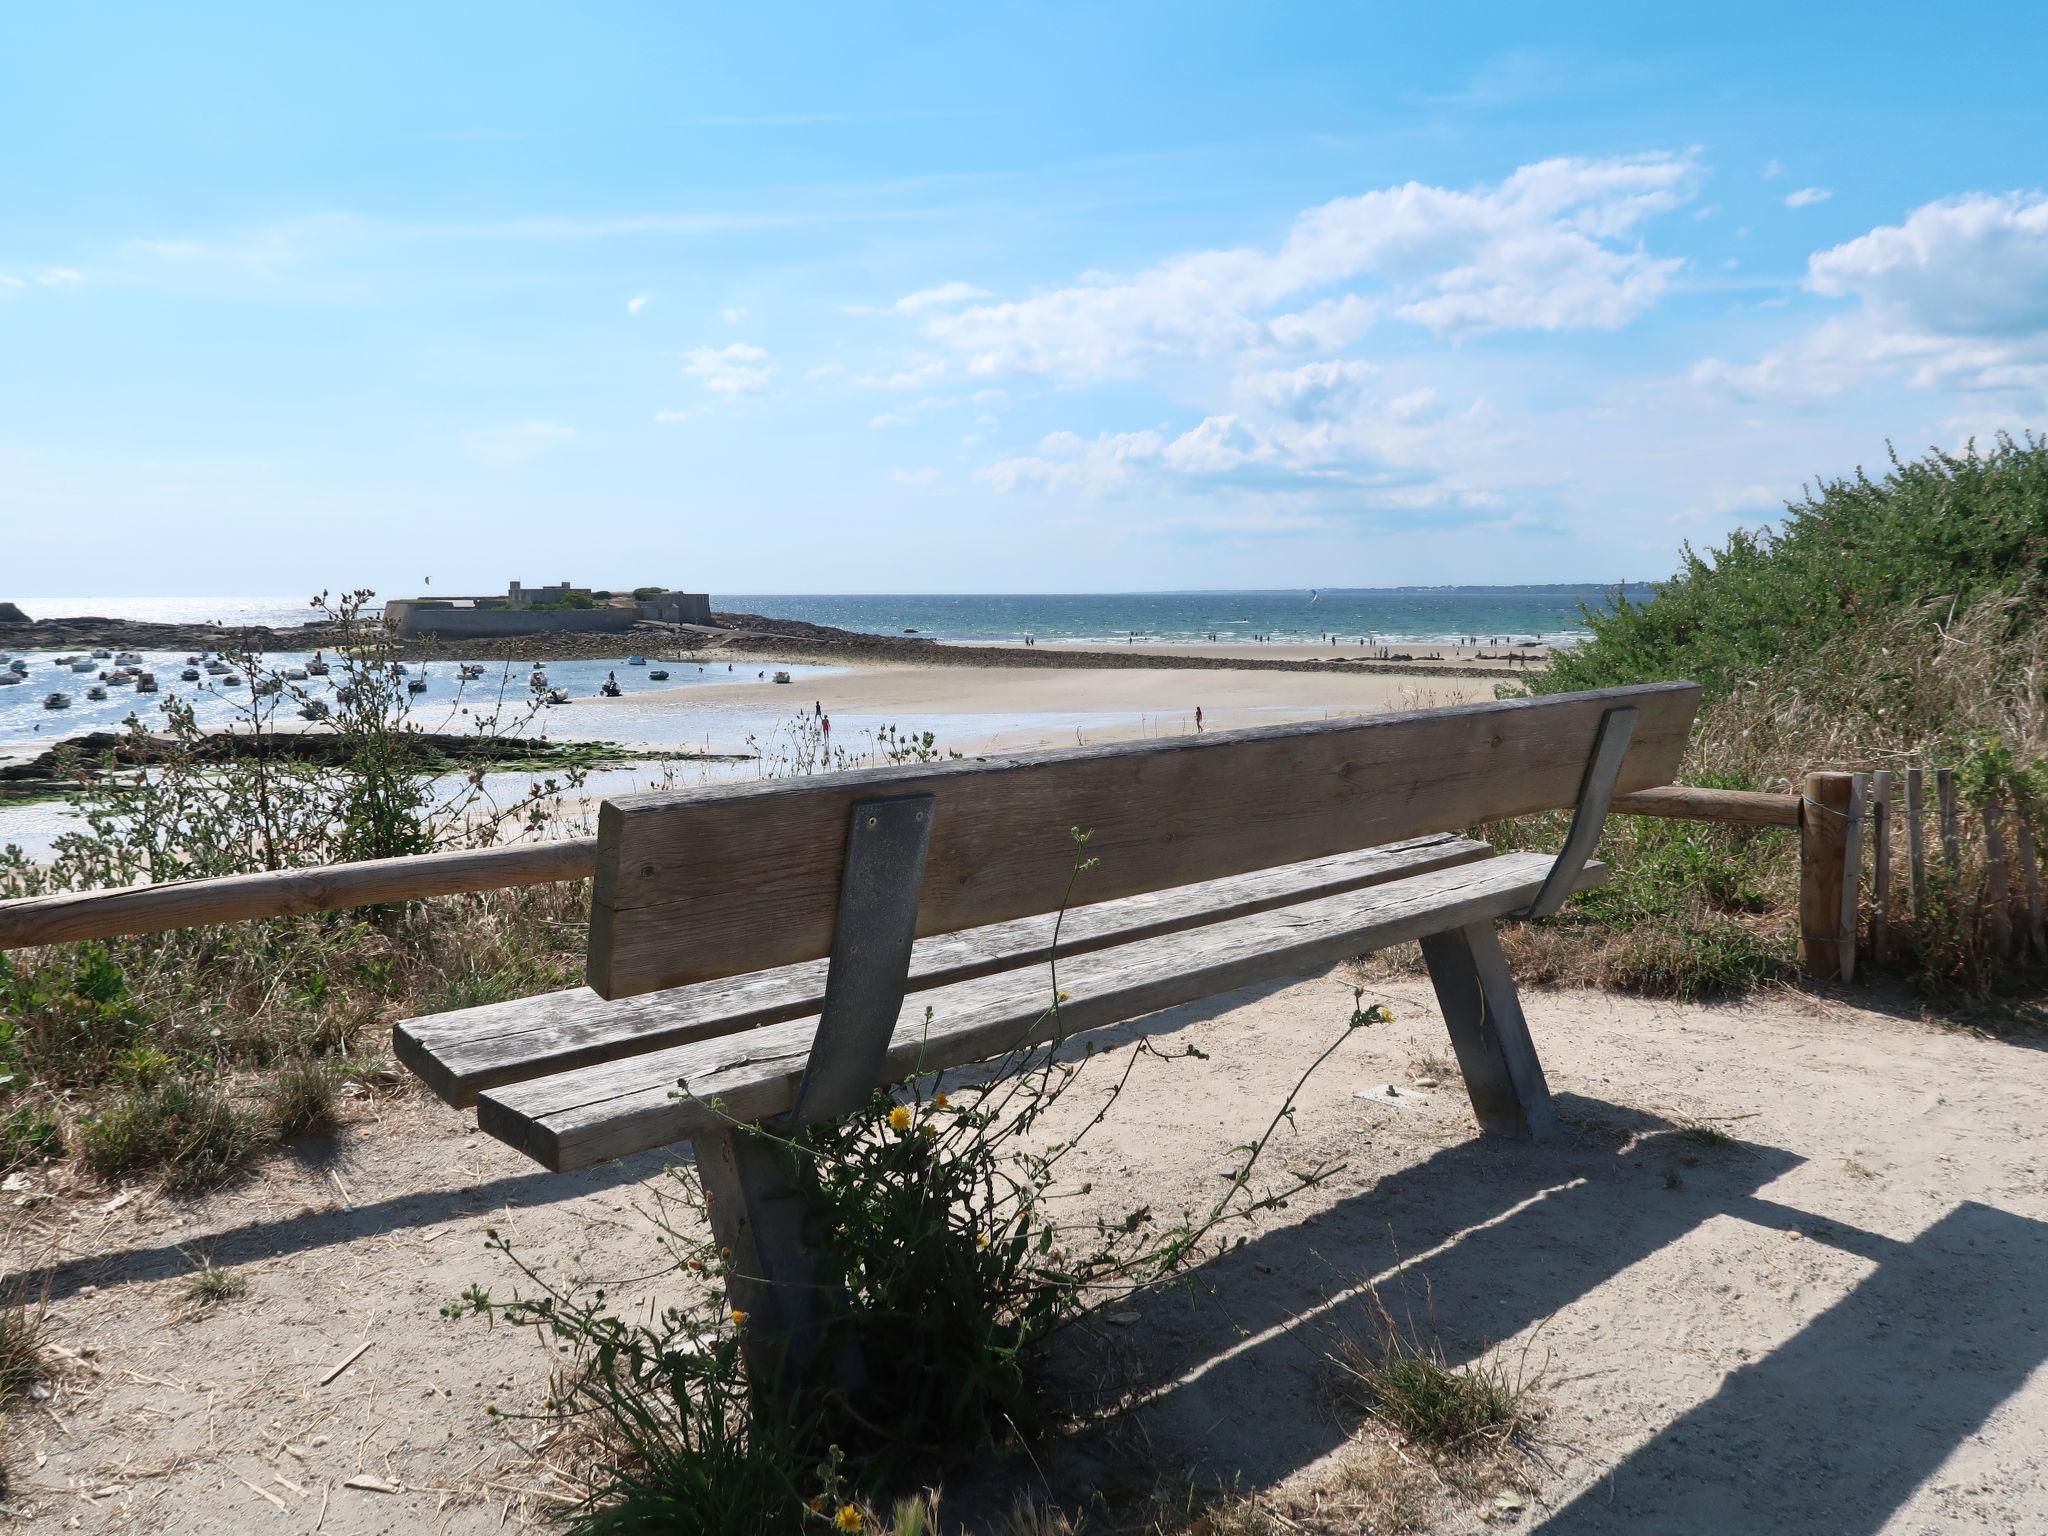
<point>1888,622</point>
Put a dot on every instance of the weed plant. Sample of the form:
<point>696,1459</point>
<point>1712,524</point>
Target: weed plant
<point>934,1216</point>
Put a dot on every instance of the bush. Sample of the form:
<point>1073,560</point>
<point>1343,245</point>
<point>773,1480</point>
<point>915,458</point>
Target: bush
<point>190,1136</point>
<point>1888,623</point>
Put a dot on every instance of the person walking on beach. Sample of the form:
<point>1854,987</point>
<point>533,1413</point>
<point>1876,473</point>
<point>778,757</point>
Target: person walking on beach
<point>827,727</point>
<point>1198,717</point>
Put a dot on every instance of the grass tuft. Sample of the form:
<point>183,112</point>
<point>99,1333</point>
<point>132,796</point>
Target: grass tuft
<point>300,1098</point>
<point>209,1285</point>
<point>1405,1383</point>
<point>29,1136</point>
<point>190,1136</point>
<point>21,1347</point>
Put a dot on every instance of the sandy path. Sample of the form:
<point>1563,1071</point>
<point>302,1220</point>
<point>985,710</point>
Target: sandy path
<point>1838,1325</point>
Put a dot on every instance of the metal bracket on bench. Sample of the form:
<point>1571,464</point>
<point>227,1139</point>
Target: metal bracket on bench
<point>1596,793</point>
<point>879,890</point>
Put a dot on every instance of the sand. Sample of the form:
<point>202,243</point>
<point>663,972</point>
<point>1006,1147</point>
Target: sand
<point>974,709</point>
<point>1836,1324</point>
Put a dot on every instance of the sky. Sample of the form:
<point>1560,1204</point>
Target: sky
<point>998,298</point>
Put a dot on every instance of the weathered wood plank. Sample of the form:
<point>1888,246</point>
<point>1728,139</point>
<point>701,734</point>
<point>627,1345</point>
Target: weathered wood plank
<point>1880,865</point>
<point>1997,882</point>
<point>728,879</point>
<point>1503,1076</point>
<point>1916,839</point>
<point>1735,807</point>
<point>1825,851</point>
<point>461,1053</point>
<point>127,909</point>
<point>576,1119</point>
<point>1951,830</point>
<point>2030,875</point>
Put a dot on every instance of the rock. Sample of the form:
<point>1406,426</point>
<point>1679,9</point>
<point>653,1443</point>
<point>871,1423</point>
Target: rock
<point>9,614</point>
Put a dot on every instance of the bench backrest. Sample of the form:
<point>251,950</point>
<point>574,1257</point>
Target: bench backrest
<point>707,883</point>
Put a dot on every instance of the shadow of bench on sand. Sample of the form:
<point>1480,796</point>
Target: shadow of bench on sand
<point>1835,1428</point>
<point>1830,1432</point>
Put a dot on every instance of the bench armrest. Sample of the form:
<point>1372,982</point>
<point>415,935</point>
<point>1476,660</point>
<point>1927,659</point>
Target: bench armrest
<point>1589,818</point>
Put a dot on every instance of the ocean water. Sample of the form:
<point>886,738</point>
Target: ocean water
<point>1392,615</point>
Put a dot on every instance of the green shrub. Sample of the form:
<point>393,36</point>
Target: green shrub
<point>185,1133</point>
<point>29,1136</point>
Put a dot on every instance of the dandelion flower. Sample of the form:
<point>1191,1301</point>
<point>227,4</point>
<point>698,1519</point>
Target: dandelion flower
<point>981,1239</point>
<point>899,1120</point>
<point>848,1518</point>
<point>1064,996</point>
<point>739,1318</point>
<point>940,1101</point>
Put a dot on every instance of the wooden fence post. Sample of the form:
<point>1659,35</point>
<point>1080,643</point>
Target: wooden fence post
<point>1880,865</point>
<point>1916,841</point>
<point>1830,845</point>
<point>2030,873</point>
<point>1997,883</point>
<point>1951,829</point>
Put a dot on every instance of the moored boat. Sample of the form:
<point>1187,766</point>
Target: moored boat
<point>56,701</point>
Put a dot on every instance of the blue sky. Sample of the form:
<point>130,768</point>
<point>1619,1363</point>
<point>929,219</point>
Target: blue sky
<point>1004,298</point>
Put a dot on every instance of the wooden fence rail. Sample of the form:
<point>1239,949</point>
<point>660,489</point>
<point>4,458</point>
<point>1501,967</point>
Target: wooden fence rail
<point>1831,815</point>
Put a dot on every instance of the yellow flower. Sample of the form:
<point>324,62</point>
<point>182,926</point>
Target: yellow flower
<point>739,1318</point>
<point>940,1101</point>
<point>981,1239</point>
<point>1064,996</point>
<point>899,1120</point>
<point>848,1518</point>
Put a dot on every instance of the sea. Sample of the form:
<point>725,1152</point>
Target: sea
<point>1383,615</point>
<point>711,715</point>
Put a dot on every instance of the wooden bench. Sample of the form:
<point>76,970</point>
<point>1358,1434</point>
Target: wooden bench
<point>777,944</point>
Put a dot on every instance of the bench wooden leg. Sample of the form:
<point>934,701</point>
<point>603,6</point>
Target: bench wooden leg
<point>757,1208</point>
<point>1490,1035</point>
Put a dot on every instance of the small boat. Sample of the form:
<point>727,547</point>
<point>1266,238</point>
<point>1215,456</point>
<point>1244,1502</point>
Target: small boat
<point>83,664</point>
<point>417,685</point>
<point>56,701</point>
<point>636,661</point>
<point>780,677</point>
<point>103,655</point>
<point>190,675</point>
<point>611,690</point>
<point>557,696</point>
<point>96,692</point>
<point>216,668</point>
<point>296,674</point>
<point>129,658</point>
<point>266,686</point>
<point>658,675</point>
<point>314,709</point>
<point>146,683</point>
<point>469,671</point>
<point>317,667</point>
<point>10,679</point>
<point>232,680</point>
<point>398,669</point>
<point>538,681</point>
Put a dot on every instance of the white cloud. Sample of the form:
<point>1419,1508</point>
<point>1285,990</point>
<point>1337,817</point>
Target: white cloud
<point>1956,296</point>
<point>669,418</point>
<point>735,316</point>
<point>1806,197</point>
<point>1773,169</point>
<point>945,296</point>
<point>925,476</point>
<point>638,302</point>
<point>508,447</point>
<point>1550,248</point>
<point>730,371</point>
<point>1311,390</point>
<point>48,277</point>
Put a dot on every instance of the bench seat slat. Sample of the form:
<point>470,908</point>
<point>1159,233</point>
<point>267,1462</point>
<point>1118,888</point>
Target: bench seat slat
<point>462,1053</point>
<point>580,1118</point>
